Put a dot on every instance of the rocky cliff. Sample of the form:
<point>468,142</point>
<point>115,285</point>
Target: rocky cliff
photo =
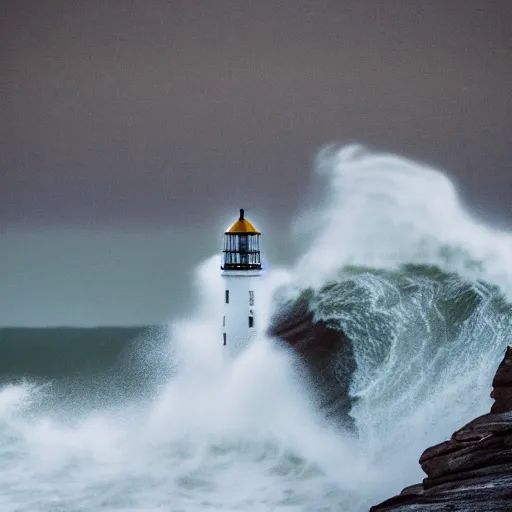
<point>325,352</point>
<point>471,472</point>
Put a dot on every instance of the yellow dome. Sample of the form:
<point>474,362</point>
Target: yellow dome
<point>243,226</point>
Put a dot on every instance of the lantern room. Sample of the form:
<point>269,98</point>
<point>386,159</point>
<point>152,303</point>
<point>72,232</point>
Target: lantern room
<point>241,246</point>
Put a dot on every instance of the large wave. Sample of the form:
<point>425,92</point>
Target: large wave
<point>381,210</point>
<point>418,288</point>
<point>421,291</point>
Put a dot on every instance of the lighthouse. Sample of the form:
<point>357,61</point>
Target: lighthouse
<point>241,268</point>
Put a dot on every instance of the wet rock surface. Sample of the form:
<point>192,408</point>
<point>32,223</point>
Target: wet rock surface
<point>326,354</point>
<point>471,472</point>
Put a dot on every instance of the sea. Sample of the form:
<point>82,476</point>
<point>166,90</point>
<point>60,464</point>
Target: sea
<point>157,419</point>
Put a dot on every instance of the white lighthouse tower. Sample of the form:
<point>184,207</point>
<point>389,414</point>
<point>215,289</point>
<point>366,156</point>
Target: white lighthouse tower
<point>241,267</point>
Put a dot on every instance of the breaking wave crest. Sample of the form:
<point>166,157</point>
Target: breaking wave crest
<point>421,291</point>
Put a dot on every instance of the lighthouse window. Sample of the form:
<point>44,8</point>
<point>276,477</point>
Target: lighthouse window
<point>251,298</point>
<point>224,321</point>
<point>227,296</point>
<point>251,321</point>
<point>224,336</point>
<point>243,243</point>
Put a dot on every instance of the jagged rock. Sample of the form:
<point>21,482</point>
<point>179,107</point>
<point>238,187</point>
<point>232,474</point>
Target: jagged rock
<point>471,472</point>
<point>503,377</point>
<point>502,385</point>
<point>503,397</point>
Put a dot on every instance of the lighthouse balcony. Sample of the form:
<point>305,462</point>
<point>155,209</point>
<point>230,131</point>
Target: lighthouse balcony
<point>236,260</point>
<point>240,266</point>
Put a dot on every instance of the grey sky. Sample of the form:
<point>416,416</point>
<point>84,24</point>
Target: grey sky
<point>138,114</point>
<point>131,131</point>
<point>75,277</point>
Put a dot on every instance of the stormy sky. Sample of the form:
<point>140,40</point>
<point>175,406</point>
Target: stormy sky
<point>129,114</point>
<point>159,118</point>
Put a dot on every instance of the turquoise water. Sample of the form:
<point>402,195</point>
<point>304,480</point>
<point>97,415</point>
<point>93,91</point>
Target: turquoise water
<point>155,419</point>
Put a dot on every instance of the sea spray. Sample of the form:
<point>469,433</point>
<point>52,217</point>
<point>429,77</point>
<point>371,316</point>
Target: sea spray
<point>381,210</point>
<point>220,435</point>
<point>394,261</point>
<point>420,289</point>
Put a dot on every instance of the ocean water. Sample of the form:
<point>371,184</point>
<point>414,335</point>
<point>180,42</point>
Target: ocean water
<point>157,420</point>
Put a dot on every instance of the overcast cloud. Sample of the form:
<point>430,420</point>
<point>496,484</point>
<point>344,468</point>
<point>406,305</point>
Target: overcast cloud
<point>130,114</point>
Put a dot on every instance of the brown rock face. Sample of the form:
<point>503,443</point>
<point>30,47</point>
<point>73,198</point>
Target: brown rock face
<point>473,470</point>
<point>326,354</point>
<point>502,385</point>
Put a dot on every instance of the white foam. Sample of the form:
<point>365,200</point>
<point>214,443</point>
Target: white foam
<point>382,210</point>
<point>246,434</point>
